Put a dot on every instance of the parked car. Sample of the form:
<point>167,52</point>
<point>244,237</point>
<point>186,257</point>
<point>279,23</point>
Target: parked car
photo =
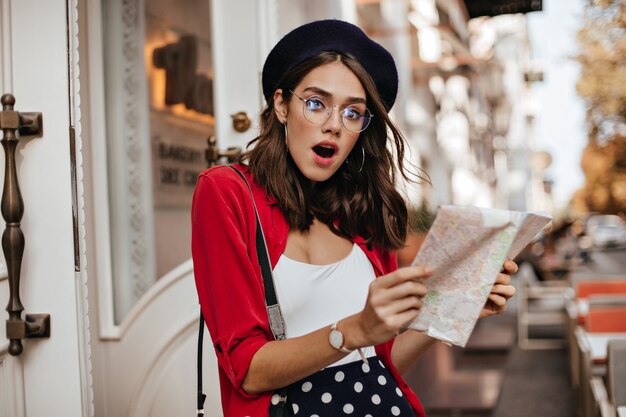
<point>606,231</point>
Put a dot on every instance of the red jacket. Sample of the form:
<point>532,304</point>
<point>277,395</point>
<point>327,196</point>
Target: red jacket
<point>230,284</point>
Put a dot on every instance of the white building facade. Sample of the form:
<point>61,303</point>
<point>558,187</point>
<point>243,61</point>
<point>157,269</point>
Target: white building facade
<point>127,116</point>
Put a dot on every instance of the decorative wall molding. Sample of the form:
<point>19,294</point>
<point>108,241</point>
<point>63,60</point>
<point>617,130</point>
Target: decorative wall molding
<point>135,135</point>
<point>82,302</point>
<point>128,166</point>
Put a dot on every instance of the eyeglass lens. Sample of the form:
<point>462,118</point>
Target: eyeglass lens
<point>354,118</point>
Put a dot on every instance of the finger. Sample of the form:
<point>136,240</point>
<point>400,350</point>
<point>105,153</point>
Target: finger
<point>397,316</point>
<point>406,289</point>
<point>509,267</point>
<point>403,274</point>
<point>386,298</point>
<point>507,291</point>
<point>405,304</point>
<point>497,299</point>
<point>492,308</point>
<point>503,279</point>
<point>404,319</point>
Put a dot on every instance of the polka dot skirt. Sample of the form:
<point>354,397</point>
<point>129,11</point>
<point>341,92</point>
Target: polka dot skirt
<point>354,389</point>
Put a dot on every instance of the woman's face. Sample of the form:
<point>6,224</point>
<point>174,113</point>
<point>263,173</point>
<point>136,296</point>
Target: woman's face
<point>318,150</point>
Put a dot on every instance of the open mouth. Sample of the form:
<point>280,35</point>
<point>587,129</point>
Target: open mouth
<point>325,151</point>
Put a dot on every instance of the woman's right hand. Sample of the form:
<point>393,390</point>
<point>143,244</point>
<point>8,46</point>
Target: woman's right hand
<point>393,302</point>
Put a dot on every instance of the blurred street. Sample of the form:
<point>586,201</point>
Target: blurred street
<point>605,261</point>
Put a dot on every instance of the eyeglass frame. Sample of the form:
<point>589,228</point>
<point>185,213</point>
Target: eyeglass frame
<point>330,113</point>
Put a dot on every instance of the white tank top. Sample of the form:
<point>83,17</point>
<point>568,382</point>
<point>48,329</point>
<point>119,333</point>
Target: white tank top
<point>314,296</point>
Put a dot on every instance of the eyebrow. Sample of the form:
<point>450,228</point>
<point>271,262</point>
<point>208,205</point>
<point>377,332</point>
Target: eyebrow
<point>329,95</point>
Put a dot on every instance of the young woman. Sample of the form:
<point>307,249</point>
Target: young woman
<point>322,173</point>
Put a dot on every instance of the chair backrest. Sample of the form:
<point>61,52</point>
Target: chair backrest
<point>616,372</point>
<point>586,288</point>
<point>606,320</point>
<point>607,300</point>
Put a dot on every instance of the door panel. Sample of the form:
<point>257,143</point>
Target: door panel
<point>38,70</point>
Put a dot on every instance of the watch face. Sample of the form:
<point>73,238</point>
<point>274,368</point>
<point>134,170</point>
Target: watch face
<point>335,338</point>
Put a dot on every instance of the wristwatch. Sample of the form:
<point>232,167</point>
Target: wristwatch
<point>335,338</point>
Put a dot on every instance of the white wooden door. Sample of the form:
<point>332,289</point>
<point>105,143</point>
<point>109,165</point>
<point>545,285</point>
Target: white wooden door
<point>144,353</point>
<point>50,377</point>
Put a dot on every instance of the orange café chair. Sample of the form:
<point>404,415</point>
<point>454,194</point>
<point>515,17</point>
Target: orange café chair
<point>606,320</point>
<point>586,288</point>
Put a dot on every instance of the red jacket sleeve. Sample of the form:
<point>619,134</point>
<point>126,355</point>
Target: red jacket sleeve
<point>227,274</point>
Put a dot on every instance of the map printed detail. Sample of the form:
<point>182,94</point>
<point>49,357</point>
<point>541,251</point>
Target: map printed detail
<point>466,248</point>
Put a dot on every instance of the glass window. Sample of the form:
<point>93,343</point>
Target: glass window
<point>180,80</point>
<point>159,116</point>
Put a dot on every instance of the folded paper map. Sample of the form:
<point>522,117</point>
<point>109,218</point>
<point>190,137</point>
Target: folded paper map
<point>466,248</point>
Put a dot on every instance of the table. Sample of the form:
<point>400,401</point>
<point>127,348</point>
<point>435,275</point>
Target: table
<point>598,343</point>
<point>621,411</point>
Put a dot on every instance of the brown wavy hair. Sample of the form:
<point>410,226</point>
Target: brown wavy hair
<point>351,203</point>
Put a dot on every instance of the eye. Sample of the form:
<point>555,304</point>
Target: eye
<point>314,104</point>
<point>352,113</point>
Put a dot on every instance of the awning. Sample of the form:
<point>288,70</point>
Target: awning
<point>477,8</point>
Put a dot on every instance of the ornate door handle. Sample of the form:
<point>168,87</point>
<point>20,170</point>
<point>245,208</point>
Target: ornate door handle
<point>213,154</point>
<point>26,125</point>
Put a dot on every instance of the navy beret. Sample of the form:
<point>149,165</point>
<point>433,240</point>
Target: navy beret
<point>309,40</point>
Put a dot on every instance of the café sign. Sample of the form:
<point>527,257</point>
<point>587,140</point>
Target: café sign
<point>182,84</point>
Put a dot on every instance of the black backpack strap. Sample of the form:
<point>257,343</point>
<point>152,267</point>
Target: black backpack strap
<point>201,396</point>
<point>275,315</point>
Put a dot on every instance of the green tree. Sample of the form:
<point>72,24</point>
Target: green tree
<point>602,84</point>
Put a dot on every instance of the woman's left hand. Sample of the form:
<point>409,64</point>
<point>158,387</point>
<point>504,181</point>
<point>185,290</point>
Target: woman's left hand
<point>501,291</point>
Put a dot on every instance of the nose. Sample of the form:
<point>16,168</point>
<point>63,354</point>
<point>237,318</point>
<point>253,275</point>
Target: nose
<point>334,123</point>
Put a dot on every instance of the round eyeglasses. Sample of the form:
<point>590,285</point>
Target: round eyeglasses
<point>354,117</point>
